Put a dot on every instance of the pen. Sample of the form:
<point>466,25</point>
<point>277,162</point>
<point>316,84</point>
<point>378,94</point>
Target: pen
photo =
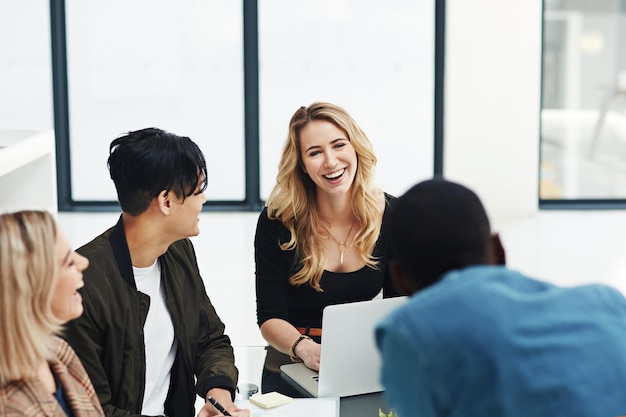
<point>219,407</point>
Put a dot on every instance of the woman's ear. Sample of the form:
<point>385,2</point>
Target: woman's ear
<point>401,281</point>
<point>495,251</point>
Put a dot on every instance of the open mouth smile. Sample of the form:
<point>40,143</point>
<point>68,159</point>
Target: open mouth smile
<point>335,174</point>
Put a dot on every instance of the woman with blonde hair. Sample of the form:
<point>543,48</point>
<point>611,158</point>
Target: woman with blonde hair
<point>40,374</point>
<point>321,238</point>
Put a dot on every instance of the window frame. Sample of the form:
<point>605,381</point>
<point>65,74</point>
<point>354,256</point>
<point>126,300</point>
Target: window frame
<point>252,200</point>
<point>571,203</point>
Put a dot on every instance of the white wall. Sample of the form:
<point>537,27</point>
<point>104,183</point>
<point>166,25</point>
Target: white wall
<point>492,102</point>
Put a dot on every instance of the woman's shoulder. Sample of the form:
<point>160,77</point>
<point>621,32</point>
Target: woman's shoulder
<point>266,221</point>
<point>15,397</point>
<point>389,198</point>
<point>63,352</point>
<point>267,226</point>
<point>388,201</point>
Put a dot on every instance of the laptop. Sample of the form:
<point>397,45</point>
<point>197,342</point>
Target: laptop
<point>349,360</point>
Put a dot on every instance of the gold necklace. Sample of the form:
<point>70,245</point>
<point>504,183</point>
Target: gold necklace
<point>341,245</point>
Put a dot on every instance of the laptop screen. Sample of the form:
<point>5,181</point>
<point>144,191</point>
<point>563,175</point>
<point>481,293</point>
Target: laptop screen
<point>349,361</point>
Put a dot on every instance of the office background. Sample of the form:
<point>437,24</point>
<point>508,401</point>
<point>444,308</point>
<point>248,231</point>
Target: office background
<point>515,74</point>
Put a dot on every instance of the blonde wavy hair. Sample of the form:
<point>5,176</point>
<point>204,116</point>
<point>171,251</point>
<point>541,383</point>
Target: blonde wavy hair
<point>28,271</point>
<point>293,199</point>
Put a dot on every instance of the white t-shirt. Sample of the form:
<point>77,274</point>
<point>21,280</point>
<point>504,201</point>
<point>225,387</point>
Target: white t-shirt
<point>159,341</point>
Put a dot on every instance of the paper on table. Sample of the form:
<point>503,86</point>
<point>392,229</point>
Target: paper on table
<point>299,407</point>
<point>270,399</point>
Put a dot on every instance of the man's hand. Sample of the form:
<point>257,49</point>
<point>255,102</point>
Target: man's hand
<point>223,397</point>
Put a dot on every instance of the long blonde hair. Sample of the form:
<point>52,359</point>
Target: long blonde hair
<point>293,199</point>
<point>28,270</point>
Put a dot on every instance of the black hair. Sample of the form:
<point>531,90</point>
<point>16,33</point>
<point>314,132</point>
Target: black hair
<point>438,226</point>
<point>145,162</point>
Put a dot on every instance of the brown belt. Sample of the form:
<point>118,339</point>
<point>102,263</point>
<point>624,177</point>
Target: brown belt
<point>310,331</point>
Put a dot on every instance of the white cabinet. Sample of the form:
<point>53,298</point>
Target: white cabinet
<point>27,170</point>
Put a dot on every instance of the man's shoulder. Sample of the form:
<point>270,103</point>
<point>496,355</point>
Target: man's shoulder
<point>103,268</point>
<point>182,247</point>
<point>598,294</point>
<point>98,247</point>
<point>180,254</point>
<point>462,293</point>
<point>475,280</point>
<point>599,290</point>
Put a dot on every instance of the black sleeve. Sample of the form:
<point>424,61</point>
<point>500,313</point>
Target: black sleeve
<point>389,289</point>
<point>272,269</point>
<point>215,360</point>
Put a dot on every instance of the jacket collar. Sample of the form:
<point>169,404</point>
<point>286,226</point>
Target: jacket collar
<point>121,253</point>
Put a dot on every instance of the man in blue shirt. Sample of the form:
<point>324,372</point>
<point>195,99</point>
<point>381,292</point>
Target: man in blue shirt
<point>478,339</point>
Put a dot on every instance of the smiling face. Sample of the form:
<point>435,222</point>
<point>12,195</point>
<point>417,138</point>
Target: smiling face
<point>328,157</point>
<point>67,303</point>
<point>186,212</point>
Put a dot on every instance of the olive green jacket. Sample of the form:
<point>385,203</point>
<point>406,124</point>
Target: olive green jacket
<point>108,337</point>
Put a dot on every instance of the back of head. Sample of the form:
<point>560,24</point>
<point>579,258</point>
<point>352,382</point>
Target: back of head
<point>438,226</point>
<point>28,269</point>
<point>145,162</point>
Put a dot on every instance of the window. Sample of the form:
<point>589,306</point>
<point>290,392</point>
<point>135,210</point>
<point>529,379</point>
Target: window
<point>146,63</point>
<point>583,117</point>
<point>373,58</point>
<point>191,67</point>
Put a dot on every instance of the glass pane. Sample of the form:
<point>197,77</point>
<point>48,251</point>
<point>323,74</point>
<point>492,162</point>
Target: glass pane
<point>25,69</point>
<point>375,58</point>
<point>583,147</point>
<point>171,65</point>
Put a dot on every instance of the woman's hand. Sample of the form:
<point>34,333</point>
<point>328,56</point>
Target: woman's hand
<point>309,352</point>
<point>282,335</point>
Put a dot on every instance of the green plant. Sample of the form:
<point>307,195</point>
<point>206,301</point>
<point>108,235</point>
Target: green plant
<point>382,414</point>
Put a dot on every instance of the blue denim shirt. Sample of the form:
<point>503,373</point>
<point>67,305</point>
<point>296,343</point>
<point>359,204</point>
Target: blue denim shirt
<point>487,341</point>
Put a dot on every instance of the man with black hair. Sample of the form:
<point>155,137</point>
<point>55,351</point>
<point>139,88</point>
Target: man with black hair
<point>478,339</point>
<point>149,337</point>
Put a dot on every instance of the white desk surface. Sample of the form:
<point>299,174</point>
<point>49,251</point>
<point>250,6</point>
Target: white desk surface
<point>299,407</point>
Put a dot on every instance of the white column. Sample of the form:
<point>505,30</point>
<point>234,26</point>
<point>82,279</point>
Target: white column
<point>492,102</point>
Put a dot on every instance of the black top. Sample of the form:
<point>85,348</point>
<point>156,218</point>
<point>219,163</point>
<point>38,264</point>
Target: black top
<point>302,305</point>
